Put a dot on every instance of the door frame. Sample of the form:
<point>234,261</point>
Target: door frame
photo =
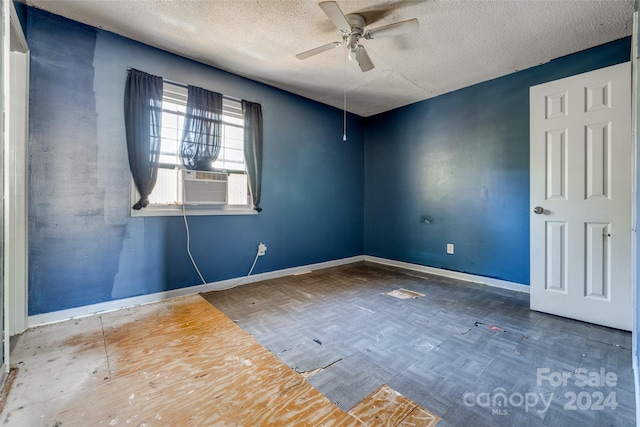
<point>15,63</point>
<point>635,109</point>
<point>16,182</point>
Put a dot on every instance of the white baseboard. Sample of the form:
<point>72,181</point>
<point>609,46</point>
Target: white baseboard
<point>452,274</point>
<point>88,310</point>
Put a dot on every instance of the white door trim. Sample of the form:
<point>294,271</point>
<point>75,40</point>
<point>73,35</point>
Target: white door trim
<point>635,62</point>
<point>15,180</point>
<point>5,39</point>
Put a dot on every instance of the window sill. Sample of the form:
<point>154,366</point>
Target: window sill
<point>157,210</point>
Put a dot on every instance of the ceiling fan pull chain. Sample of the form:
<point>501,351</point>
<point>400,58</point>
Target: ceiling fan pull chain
<point>344,111</point>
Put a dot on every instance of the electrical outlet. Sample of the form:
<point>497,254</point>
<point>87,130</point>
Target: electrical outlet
<point>450,248</point>
<point>262,249</point>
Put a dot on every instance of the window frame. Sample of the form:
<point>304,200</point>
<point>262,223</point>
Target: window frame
<point>175,91</point>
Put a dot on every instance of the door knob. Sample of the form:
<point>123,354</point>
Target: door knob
<point>538,210</point>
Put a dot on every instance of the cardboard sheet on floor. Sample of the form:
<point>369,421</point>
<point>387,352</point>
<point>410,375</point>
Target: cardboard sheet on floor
<point>404,294</point>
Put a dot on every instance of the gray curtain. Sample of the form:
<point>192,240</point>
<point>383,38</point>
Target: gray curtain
<point>252,114</point>
<point>143,121</point>
<point>202,134</point>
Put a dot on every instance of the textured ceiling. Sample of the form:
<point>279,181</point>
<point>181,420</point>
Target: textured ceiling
<point>460,42</point>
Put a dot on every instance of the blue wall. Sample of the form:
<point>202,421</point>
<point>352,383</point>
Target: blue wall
<point>462,160</point>
<point>21,10</point>
<point>84,246</point>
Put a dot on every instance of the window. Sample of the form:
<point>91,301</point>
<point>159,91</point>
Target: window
<point>167,194</point>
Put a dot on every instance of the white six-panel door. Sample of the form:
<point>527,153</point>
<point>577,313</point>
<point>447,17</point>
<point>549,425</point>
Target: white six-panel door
<point>581,174</point>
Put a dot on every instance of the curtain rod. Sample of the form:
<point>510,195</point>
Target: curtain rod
<point>186,86</point>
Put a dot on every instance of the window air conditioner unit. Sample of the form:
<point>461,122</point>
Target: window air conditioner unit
<point>204,187</point>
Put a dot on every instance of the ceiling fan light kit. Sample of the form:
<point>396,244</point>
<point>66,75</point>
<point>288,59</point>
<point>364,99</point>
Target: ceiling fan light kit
<point>352,29</point>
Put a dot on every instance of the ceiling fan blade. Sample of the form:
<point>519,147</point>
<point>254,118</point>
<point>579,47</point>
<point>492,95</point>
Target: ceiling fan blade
<point>334,13</point>
<point>363,59</point>
<point>399,28</point>
<point>317,50</point>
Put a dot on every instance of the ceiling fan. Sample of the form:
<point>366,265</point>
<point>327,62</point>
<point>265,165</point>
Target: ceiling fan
<point>352,29</point>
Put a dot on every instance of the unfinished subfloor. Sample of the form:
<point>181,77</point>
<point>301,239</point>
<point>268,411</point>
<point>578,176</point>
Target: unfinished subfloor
<point>176,363</point>
<point>472,354</point>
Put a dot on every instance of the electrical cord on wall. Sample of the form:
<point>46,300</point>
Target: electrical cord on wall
<point>193,261</point>
<point>186,227</point>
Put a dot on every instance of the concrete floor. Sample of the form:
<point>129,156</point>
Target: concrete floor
<point>53,363</point>
<point>459,351</point>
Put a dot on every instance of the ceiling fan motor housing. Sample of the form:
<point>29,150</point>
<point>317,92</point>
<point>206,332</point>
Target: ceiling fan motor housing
<point>357,23</point>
